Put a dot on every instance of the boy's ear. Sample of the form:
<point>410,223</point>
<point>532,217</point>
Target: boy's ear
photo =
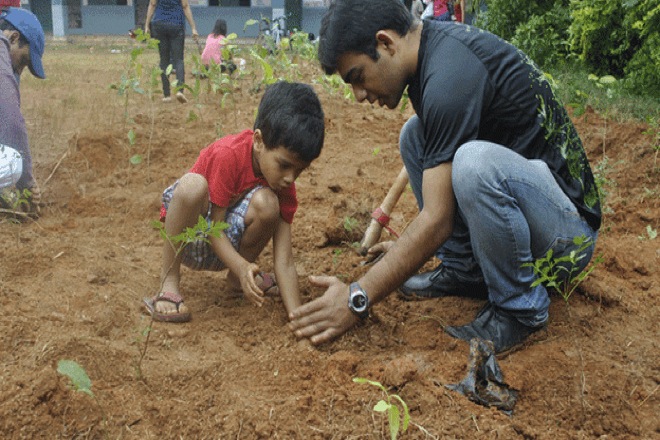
<point>257,140</point>
<point>386,40</point>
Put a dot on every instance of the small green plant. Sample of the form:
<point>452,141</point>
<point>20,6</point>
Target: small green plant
<point>375,151</point>
<point>390,405</point>
<point>559,273</point>
<point>336,254</point>
<point>333,84</point>
<point>350,223</point>
<point>135,159</point>
<point>609,83</point>
<point>203,230</point>
<point>651,234</point>
<point>16,199</point>
<point>80,381</point>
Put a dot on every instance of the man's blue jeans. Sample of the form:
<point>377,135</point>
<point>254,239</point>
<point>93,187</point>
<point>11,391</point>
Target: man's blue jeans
<point>511,211</point>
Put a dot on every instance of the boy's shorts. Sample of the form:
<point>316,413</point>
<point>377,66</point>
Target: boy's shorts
<point>199,255</point>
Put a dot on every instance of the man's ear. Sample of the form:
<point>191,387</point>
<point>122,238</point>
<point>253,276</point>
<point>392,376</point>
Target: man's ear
<point>386,40</point>
<point>12,36</point>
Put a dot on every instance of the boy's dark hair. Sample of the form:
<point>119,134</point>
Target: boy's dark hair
<point>290,116</point>
<point>351,26</point>
<point>220,27</point>
<point>7,26</point>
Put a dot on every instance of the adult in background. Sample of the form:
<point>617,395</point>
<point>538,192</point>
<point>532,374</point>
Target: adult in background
<point>166,19</point>
<point>22,45</point>
<point>495,163</point>
<point>417,8</point>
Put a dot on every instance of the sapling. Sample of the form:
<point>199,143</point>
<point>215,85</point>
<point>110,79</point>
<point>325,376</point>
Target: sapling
<point>80,381</point>
<point>563,273</point>
<point>391,406</point>
<point>15,199</point>
<point>203,230</point>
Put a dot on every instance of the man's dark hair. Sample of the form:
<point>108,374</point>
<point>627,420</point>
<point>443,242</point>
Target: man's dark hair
<point>290,116</point>
<point>351,26</point>
<point>7,26</point>
<point>220,27</point>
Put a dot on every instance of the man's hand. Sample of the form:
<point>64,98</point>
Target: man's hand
<point>326,317</point>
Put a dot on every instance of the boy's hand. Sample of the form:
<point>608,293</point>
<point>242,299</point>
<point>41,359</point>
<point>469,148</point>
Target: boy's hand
<point>249,285</point>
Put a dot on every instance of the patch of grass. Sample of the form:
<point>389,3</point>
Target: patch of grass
<point>575,89</point>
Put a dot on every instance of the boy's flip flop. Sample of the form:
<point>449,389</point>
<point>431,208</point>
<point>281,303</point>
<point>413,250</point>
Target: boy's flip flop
<point>174,298</point>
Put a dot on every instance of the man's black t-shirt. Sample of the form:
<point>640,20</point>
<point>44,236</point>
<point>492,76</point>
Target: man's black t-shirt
<point>472,85</point>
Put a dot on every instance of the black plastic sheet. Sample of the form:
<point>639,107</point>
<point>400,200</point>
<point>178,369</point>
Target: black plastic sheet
<point>484,382</point>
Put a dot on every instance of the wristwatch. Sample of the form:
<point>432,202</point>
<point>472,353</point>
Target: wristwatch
<point>358,301</point>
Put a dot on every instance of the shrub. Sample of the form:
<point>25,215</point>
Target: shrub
<point>552,48</point>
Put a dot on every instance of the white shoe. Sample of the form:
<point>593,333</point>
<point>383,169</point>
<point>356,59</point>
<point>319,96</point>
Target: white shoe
<point>167,99</point>
<point>181,98</point>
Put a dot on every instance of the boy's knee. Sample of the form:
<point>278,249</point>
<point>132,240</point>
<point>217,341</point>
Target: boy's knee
<point>192,187</point>
<point>265,205</point>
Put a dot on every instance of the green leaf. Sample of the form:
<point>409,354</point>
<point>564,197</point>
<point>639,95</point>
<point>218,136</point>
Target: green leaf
<point>393,417</point>
<point>370,382</point>
<point>77,375</point>
<point>131,136</point>
<point>136,159</point>
<point>382,406</point>
<point>406,412</point>
<point>607,79</point>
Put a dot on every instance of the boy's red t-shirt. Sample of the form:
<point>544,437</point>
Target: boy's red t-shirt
<point>226,164</point>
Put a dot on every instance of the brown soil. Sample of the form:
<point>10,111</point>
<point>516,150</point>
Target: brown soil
<point>72,283</point>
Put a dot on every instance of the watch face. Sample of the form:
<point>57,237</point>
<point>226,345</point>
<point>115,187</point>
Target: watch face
<point>359,302</point>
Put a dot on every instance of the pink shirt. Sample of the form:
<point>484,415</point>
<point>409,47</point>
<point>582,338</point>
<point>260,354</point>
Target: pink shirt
<point>213,49</point>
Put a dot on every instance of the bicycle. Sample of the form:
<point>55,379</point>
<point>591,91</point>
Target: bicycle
<point>272,32</point>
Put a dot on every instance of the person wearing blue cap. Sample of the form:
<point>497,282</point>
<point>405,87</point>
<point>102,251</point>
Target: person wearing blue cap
<point>22,45</point>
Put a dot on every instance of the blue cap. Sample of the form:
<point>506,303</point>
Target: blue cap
<point>28,25</point>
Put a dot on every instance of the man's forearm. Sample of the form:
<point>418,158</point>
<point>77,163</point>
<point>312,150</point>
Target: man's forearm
<point>418,242</point>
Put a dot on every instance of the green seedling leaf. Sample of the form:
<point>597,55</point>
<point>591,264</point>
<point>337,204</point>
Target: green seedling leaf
<point>131,136</point>
<point>136,159</point>
<point>249,22</point>
<point>406,412</point>
<point>79,378</point>
<point>393,417</point>
<point>607,79</point>
<point>381,406</point>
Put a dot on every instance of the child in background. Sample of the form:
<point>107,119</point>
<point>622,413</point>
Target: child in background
<point>246,180</point>
<point>215,41</point>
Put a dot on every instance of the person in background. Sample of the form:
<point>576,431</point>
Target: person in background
<point>22,44</point>
<point>417,8</point>
<point>166,19</point>
<point>215,41</point>
<point>448,10</point>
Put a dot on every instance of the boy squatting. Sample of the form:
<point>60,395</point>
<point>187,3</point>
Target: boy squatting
<point>246,180</point>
